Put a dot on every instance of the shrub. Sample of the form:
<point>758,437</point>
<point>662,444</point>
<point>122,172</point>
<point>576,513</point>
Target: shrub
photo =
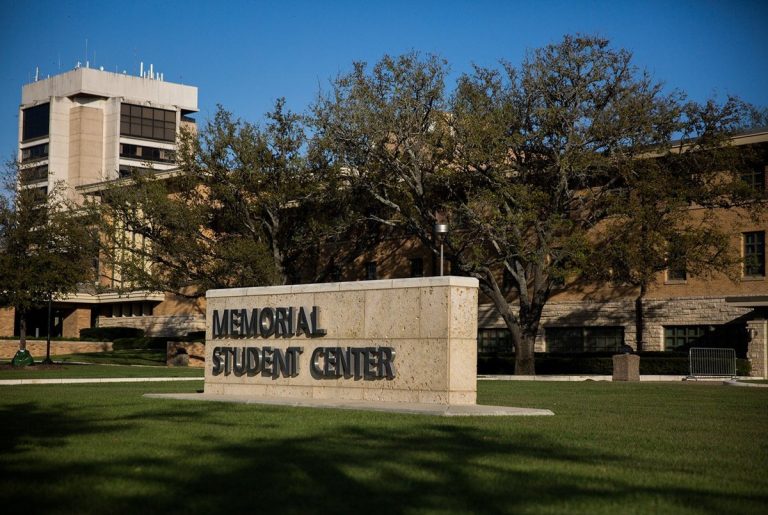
<point>142,342</point>
<point>110,333</point>
<point>651,363</point>
<point>195,336</point>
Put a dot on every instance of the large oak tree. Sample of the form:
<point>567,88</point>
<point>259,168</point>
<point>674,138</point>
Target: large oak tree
<point>524,162</point>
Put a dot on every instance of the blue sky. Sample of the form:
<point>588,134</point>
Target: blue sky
<point>245,54</point>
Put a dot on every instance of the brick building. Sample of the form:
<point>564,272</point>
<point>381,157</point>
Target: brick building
<point>87,127</point>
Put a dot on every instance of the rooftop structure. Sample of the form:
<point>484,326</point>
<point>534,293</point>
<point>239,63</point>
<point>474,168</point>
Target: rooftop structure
<point>87,126</point>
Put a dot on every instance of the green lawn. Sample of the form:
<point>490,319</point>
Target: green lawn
<point>610,448</point>
<point>73,371</point>
<point>117,357</point>
<point>103,364</point>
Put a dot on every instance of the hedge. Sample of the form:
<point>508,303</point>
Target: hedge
<point>142,342</point>
<point>110,333</point>
<point>651,363</point>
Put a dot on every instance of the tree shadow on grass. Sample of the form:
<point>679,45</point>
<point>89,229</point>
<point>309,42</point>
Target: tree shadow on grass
<point>45,425</point>
<point>210,458</point>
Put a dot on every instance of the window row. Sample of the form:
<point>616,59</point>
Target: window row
<point>34,153</point>
<point>753,252</point>
<point>127,309</point>
<point>678,338</point>
<point>33,174</point>
<point>147,122</point>
<point>755,177</point>
<point>160,155</point>
<point>35,122</point>
<point>584,339</point>
<point>494,340</point>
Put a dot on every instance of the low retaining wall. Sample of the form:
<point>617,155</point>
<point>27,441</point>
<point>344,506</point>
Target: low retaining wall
<point>185,354</point>
<point>160,325</point>
<point>8,348</point>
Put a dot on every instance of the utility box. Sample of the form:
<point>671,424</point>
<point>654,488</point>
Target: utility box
<point>626,367</point>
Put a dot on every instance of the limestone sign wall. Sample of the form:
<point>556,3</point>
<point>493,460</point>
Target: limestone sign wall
<point>402,340</point>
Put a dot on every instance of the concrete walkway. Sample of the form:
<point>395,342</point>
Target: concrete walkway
<point>16,382</point>
<point>441,410</point>
<point>643,378</point>
<point>646,378</point>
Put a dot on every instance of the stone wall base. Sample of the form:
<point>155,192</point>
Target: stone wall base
<point>185,354</point>
<point>163,325</point>
<point>658,313</point>
<point>37,348</point>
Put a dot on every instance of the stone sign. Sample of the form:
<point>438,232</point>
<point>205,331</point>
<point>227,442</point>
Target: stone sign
<point>401,340</point>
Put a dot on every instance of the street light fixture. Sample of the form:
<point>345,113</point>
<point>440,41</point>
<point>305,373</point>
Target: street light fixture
<point>441,230</point>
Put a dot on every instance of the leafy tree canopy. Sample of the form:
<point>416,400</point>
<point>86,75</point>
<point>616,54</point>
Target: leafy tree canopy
<point>47,247</point>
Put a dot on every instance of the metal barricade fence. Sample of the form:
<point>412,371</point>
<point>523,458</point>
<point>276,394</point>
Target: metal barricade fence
<point>707,362</point>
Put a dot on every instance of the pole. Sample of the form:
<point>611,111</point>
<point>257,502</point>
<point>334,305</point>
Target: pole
<point>47,360</point>
<point>441,258</point>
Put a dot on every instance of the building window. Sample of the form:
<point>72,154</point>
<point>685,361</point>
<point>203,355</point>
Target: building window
<point>127,309</point>
<point>34,153</point>
<point>676,269</point>
<point>147,122</point>
<point>370,271</point>
<point>754,254</point>
<point>417,267</point>
<point>494,340</point>
<point>33,174</point>
<point>584,339</point>
<point>160,155</point>
<point>755,178</point>
<point>39,195</point>
<point>127,171</point>
<point>681,337</point>
<point>677,274</point>
<point>35,122</point>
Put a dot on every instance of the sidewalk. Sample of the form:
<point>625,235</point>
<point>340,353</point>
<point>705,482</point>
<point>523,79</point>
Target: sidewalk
<point>16,382</point>
<point>643,378</point>
<point>413,408</point>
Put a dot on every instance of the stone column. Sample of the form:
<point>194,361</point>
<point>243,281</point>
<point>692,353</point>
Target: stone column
<point>7,316</point>
<point>758,347</point>
<point>79,318</point>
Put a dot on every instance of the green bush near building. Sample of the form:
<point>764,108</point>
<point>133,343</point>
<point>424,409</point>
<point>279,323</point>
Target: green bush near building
<point>651,363</point>
<point>108,334</point>
<point>140,342</point>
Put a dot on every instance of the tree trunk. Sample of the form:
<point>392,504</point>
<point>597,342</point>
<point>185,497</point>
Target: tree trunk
<point>640,320</point>
<point>22,331</point>
<point>523,335</point>
<point>524,358</point>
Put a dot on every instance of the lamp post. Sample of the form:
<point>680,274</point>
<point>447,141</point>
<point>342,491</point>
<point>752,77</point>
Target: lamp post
<point>48,360</point>
<point>440,231</point>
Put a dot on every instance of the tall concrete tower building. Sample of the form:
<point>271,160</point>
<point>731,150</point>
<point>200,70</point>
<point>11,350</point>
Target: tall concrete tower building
<point>87,127</point>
